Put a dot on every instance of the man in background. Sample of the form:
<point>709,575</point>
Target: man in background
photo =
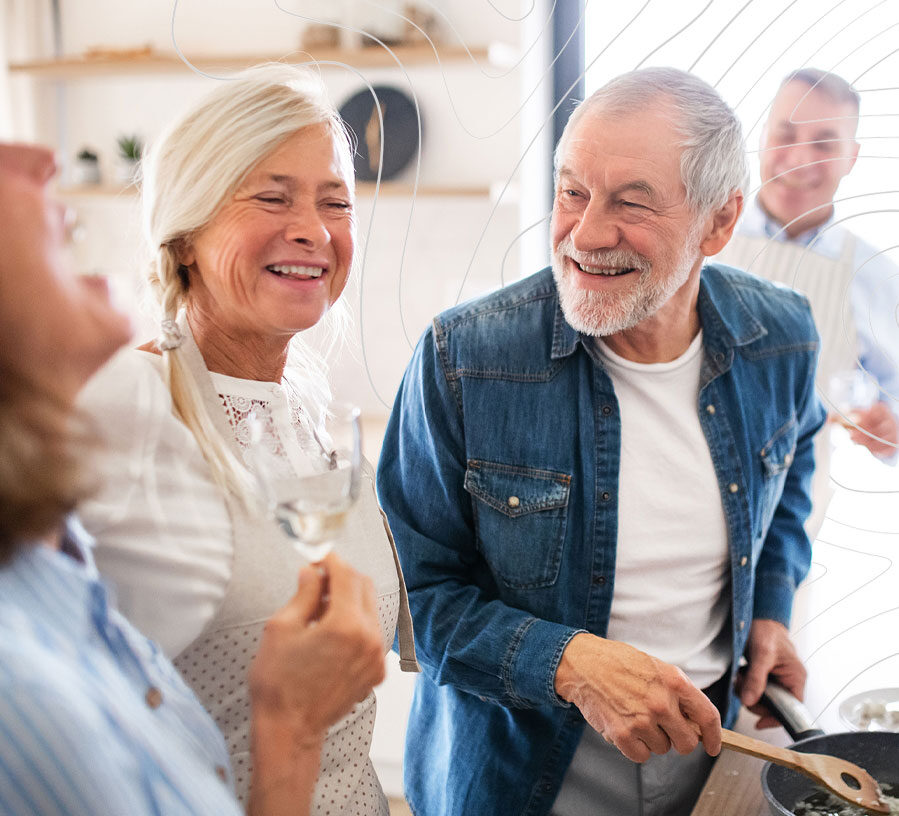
<point>788,234</point>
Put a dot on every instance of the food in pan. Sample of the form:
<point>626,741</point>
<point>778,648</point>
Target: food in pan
<point>822,803</point>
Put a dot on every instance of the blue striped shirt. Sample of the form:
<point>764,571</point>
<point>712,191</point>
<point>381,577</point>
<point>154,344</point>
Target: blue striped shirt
<point>94,719</point>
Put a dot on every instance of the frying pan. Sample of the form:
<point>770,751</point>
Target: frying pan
<point>875,751</point>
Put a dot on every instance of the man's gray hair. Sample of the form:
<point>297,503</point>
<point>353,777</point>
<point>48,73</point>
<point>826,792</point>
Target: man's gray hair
<point>713,163</point>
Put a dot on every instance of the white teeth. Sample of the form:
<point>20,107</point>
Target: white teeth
<point>596,270</point>
<point>298,271</point>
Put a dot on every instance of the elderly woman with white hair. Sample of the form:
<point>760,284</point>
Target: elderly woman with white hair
<point>249,211</point>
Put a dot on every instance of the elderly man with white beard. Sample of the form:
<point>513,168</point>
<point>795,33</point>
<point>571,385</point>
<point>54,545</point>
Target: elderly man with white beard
<point>597,478</point>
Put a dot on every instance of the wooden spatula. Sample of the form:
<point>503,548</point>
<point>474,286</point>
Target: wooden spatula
<point>842,778</point>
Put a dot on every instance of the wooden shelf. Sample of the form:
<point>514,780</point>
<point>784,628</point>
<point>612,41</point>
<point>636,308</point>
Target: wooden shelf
<point>363,190</point>
<point>154,63</point>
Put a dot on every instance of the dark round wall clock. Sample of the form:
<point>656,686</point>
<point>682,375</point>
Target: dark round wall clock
<point>360,112</point>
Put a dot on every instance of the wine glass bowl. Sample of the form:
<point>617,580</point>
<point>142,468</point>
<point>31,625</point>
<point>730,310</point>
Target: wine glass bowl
<point>850,391</point>
<point>312,509</point>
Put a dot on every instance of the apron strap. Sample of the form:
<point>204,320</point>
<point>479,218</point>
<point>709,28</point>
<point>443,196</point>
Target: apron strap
<point>406,641</point>
<point>196,365</point>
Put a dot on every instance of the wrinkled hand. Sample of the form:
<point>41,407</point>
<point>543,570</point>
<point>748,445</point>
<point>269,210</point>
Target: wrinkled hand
<point>321,653</point>
<point>638,703</point>
<point>770,652</point>
<point>878,421</point>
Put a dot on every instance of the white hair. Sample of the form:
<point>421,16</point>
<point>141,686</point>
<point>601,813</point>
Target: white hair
<point>189,174</point>
<point>713,163</point>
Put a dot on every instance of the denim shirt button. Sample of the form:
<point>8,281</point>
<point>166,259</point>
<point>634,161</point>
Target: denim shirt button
<point>744,561</point>
<point>710,409</point>
<point>599,579</point>
<point>514,501</point>
<point>788,459</point>
<point>742,625</point>
<point>606,410</point>
<point>606,495</point>
<point>733,487</point>
<point>719,357</point>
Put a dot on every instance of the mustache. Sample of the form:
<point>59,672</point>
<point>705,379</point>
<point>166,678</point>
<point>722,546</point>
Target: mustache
<point>621,258</point>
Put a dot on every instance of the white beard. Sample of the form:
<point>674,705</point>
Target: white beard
<point>603,313</point>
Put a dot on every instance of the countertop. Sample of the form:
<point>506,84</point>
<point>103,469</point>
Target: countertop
<point>734,788</point>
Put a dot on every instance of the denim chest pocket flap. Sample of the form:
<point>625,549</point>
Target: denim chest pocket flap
<point>520,516</point>
<point>778,452</point>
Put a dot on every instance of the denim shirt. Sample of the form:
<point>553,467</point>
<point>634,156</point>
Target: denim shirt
<point>499,476</point>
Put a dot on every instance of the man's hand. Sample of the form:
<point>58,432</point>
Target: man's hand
<point>878,421</point>
<point>638,703</point>
<point>770,651</point>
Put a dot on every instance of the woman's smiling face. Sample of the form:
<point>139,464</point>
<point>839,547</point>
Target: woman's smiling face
<point>277,255</point>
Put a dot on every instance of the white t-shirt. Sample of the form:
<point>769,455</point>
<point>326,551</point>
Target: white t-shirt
<point>672,569</point>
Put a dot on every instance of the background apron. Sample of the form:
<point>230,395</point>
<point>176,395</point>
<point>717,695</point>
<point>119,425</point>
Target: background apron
<point>825,282</point>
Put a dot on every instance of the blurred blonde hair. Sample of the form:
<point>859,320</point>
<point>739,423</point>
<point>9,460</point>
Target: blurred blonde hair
<point>41,443</point>
<point>188,176</point>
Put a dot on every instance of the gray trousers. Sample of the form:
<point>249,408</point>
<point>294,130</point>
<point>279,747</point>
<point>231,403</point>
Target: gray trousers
<point>601,781</point>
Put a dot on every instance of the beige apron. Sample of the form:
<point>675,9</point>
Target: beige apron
<point>825,282</point>
<point>263,578</point>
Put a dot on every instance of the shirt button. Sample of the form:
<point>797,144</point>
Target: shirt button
<point>710,409</point>
<point>221,773</point>
<point>788,459</point>
<point>600,580</point>
<point>733,487</point>
<point>744,561</point>
<point>742,625</point>
<point>606,495</point>
<point>719,357</point>
<point>606,410</point>
<point>514,501</point>
<point>153,697</point>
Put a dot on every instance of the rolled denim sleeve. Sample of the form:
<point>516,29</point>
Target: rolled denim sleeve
<point>464,634</point>
<point>787,552</point>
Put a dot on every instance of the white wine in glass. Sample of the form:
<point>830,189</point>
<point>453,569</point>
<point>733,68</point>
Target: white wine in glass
<point>315,508</point>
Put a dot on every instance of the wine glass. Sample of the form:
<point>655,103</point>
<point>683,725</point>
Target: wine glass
<point>312,509</point>
<point>851,391</point>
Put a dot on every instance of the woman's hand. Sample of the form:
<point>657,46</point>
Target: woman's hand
<point>320,655</point>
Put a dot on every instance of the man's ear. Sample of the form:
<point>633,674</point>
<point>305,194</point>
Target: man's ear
<point>854,157</point>
<point>720,225</point>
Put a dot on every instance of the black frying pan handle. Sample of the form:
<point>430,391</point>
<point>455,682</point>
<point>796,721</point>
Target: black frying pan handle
<point>789,712</point>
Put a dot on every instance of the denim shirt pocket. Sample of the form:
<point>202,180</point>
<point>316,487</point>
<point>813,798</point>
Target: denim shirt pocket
<point>776,456</point>
<point>520,517</point>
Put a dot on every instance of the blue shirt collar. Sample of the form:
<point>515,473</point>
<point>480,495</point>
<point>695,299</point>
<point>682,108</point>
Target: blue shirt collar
<point>827,237</point>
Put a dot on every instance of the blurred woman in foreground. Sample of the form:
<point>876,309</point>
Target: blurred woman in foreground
<point>93,719</point>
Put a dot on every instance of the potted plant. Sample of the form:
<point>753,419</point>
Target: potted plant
<point>87,167</point>
<point>130,149</point>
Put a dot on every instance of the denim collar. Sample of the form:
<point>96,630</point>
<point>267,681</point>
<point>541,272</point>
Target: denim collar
<point>726,320</point>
